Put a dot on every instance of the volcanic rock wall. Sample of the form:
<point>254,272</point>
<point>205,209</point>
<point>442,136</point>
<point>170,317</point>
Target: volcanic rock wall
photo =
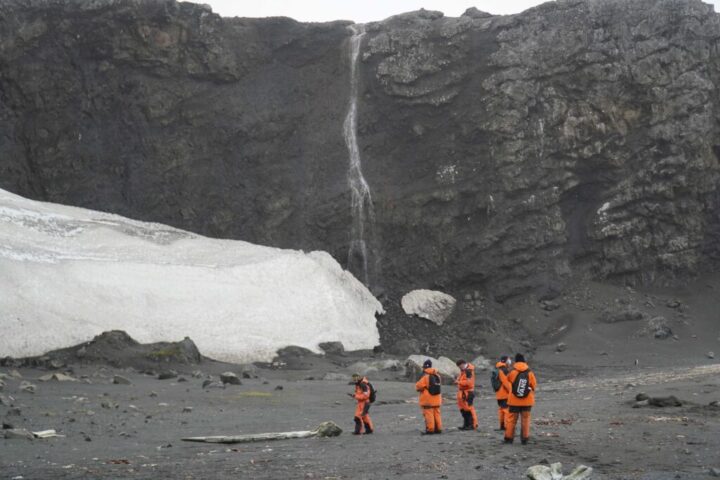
<point>579,138</point>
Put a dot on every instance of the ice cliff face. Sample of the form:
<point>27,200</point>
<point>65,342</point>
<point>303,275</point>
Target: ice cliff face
<point>67,274</point>
<point>504,153</point>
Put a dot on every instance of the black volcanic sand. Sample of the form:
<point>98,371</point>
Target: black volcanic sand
<point>584,413</point>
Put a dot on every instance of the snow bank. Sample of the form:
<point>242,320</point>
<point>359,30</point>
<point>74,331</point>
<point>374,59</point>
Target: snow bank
<point>68,274</point>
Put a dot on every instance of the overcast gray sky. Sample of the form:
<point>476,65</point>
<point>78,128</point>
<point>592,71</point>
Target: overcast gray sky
<point>364,10</point>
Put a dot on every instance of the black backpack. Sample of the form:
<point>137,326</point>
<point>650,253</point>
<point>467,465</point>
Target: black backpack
<point>521,384</point>
<point>495,378</point>
<point>433,384</point>
<point>373,392</point>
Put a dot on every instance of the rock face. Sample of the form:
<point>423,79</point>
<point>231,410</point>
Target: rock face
<point>429,304</point>
<point>580,138</point>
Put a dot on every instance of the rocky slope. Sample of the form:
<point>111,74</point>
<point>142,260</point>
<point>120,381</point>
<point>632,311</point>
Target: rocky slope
<point>579,139</point>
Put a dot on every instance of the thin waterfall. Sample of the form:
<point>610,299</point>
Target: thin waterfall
<point>361,200</point>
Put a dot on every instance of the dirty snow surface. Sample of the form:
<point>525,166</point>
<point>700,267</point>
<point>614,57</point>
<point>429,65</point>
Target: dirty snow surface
<point>68,274</point>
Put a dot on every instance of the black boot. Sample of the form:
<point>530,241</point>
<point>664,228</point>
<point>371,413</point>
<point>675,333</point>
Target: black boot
<point>523,441</point>
<point>358,426</point>
<point>465,422</point>
<point>368,429</point>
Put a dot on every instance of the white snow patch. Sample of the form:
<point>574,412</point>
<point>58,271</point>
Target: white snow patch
<point>68,274</point>
<point>429,304</point>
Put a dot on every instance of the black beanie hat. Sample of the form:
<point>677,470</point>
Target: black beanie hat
<point>427,363</point>
<point>519,357</point>
<point>504,358</point>
<point>460,362</point>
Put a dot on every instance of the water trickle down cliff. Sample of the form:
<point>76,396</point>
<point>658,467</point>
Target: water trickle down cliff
<point>361,198</point>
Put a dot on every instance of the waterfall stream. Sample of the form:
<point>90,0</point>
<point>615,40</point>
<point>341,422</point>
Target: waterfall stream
<point>361,200</point>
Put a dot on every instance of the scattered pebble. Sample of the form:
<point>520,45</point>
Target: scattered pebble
<point>230,378</point>
<point>167,375</point>
<point>120,380</point>
<point>27,387</point>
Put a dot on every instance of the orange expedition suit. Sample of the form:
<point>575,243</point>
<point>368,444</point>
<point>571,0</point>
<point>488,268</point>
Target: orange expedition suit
<point>466,396</point>
<point>430,404</point>
<point>362,395</point>
<point>502,394</point>
<point>519,406</point>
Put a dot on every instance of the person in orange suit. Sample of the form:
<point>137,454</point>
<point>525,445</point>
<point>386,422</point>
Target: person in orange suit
<point>362,395</point>
<point>521,385</point>
<point>430,398</point>
<point>466,395</point>
<point>501,394</point>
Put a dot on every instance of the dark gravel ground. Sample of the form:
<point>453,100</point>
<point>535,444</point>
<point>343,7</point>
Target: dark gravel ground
<point>585,420</point>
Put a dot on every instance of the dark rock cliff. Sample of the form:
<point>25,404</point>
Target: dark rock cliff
<point>504,153</point>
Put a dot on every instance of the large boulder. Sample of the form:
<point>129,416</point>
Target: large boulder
<point>445,367</point>
<point>377,366</point>
<point>429,304</point>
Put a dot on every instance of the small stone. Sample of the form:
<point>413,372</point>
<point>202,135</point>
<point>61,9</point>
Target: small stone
<point>15,374</point>
<point>670,401</point>
<point>167,375</point>
<point>153,394</point>
<point>187,409</point>
<point>641,396</point>
<point>87,438</point>
<point>231,378</point>
<point>715,472</point>
<point>7,426</point>
<point>163,404</point>
<point>659,328</point>
<point>120,380</point>
<point>711,355</point>
<point>197,374</point>
<point>641,403</point>
<point>561,347</point>
<point>210,384</point>
<point>27,387</point>
<point>279,387</point>
<point>673,303</point>
<point>181,379</point>
<point>549,305</point>
<point>57,377</point>
<point>18,433</point>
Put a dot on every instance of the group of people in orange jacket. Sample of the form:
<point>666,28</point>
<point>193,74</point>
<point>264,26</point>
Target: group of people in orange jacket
<point>514,384</point>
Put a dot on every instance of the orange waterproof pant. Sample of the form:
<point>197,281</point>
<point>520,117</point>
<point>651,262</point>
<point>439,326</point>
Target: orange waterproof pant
<point>502,412</point>
<point>511,421</point>
<point>362,413</point>
<point>464,406</point>
<point>433,421</point>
